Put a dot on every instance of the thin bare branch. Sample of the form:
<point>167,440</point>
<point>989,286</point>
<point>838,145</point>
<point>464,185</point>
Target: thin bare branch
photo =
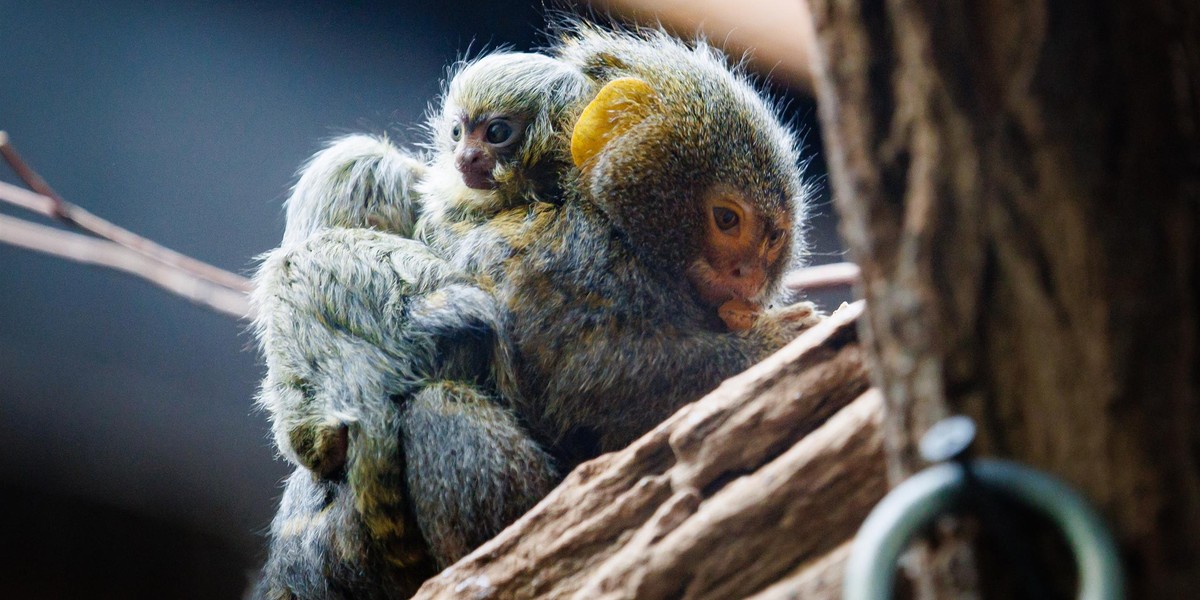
<point>822,276</point>
<point>55,207</point>
<point>23,198</point>
<point>88,250</point>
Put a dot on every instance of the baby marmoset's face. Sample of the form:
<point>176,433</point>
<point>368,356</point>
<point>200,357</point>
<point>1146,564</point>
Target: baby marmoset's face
<point>482,141</point>
<point>499,121</point>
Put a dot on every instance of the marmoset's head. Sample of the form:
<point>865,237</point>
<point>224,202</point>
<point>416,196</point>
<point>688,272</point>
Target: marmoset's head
<point>501,133</point>
<point>690,162</point>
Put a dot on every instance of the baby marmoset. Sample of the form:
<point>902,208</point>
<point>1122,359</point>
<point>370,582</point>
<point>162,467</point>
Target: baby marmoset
<point>379,353</point>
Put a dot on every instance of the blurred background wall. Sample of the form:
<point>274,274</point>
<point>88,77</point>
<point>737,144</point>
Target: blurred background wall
<point>132,461</point>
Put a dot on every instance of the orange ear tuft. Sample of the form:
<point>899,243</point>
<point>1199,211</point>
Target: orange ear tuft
<point>620,105</point>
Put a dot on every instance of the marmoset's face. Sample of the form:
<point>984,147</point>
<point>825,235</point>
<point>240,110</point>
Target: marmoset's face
<point>482,142</point>
<point>740,250</point>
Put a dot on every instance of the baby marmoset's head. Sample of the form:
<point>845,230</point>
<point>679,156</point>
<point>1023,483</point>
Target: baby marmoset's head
<point>690,161</point>
<point>500,134</point>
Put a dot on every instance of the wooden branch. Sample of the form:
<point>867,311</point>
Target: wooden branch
<point>92,251</point>
<point>48,203</point>
<point>774,469</point>
<point>820,578</point>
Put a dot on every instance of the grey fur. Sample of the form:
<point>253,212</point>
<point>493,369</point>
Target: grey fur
<point>377,343</point>
<point>361,181</point>
<point>322,550</point>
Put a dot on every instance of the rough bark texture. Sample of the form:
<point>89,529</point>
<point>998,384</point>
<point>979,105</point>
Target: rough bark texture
<point>757,482</point>
<point>1020,182</point>
<point>820,578</point>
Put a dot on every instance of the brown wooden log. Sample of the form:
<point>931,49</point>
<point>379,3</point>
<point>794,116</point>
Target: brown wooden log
<point>774,469</point>
<point>820,578</point>
<point>1020,183</point>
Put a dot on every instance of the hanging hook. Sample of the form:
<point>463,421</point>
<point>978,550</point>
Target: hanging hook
<point>920,499</point>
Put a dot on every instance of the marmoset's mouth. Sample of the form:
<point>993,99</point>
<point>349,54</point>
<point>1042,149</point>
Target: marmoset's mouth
<point>715,290</point>
<point>478,181</point>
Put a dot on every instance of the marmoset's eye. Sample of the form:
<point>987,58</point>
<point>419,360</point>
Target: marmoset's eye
<point>776,237</point>
<point>499,132</point>
<point>724,218</point>
<point>456,132</point>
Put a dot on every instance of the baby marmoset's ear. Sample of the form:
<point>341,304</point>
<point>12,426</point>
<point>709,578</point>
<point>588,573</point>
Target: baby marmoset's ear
<point>620,104</point>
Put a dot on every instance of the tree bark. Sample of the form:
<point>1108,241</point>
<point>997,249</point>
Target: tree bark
<point>1020,183</point>
<point>758,483</point>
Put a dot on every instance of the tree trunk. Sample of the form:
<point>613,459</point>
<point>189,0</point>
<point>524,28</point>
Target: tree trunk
<point>1020,183</point>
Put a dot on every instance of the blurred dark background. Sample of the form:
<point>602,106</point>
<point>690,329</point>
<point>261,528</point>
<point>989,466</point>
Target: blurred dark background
<point>132,461</point>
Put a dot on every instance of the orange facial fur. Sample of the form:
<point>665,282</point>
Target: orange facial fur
<point>740,247</point>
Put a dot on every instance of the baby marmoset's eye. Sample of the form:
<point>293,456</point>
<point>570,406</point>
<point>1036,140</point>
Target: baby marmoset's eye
<point>500,132</point>
<point>456,132</point>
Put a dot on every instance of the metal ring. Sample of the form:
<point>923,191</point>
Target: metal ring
<point>920,499</point>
